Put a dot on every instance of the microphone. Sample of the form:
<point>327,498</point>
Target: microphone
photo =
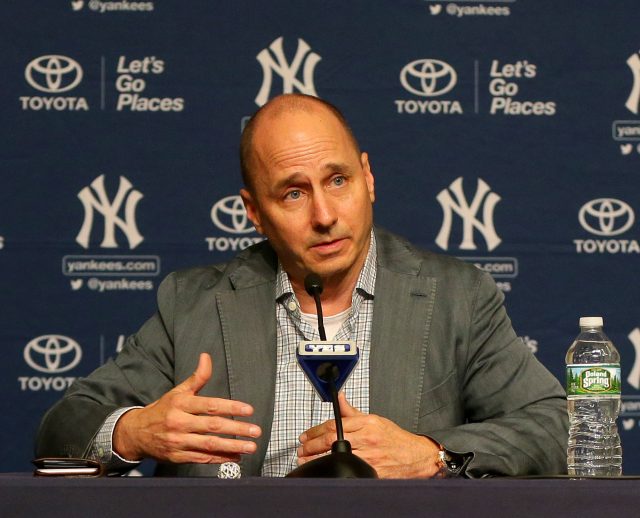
<point>325,363</point>
<point>321,363</point>
<point>313,286</point>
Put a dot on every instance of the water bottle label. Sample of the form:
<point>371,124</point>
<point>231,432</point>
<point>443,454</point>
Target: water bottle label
<point>593,380</point>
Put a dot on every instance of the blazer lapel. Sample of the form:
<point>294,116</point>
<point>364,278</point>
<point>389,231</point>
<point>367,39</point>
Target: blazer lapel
<point>247,316</point>
<point>402,311</point>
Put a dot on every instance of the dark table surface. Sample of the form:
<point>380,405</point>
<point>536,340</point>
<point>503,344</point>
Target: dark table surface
<point>25,495</point>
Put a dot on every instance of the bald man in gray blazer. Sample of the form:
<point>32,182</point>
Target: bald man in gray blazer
<point>446,371</point>
<point>445,362</point>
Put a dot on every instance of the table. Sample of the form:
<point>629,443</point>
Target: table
<point>24,495</point>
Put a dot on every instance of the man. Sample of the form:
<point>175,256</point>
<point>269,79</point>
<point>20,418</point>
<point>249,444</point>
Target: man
<point>441,371</point>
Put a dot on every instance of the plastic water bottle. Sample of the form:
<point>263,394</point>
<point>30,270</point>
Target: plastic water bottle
<point>593,403</point>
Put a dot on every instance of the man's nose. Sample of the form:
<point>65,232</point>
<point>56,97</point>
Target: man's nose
<point>323,213</point>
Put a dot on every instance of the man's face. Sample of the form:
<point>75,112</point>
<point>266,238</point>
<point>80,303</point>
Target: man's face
<point>312,194</point>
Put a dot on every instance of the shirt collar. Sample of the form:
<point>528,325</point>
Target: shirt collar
<point>366,280</point>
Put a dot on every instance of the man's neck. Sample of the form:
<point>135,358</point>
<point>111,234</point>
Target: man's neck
<point>336,295</point>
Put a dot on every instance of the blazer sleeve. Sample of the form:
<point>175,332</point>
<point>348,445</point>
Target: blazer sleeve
<point>515,409</point>
<point>140,374</point>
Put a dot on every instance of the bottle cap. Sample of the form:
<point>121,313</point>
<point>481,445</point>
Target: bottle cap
<point>590,321</point>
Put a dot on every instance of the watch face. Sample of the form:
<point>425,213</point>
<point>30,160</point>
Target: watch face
<point>453,462</point>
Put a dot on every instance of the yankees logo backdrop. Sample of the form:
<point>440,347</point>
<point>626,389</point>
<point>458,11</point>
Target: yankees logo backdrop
<point>503,132</point>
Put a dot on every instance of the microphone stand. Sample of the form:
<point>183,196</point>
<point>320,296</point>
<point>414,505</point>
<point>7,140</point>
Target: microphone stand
<point>341,462</point>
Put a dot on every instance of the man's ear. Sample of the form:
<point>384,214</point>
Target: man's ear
<point>368,176</point>
<point>252,209</point>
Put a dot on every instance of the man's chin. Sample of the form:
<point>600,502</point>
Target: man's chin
<point>330,267</point>
<point>337,264</point>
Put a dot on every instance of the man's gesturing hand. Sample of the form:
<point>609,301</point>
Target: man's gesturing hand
<point>178,426</point>
<point>392,451</point>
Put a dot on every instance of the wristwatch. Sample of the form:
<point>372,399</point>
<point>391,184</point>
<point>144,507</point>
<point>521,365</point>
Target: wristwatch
<point>451,464</point>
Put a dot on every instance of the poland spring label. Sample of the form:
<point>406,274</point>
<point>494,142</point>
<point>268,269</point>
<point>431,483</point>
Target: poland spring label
<point>593,380</point>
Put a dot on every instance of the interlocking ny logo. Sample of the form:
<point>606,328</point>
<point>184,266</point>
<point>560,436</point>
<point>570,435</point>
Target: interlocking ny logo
<point>634,375</point>
<point>287,71</point>
<point>52,354</point>
<point>53,74</point>
<point>468,214</point>
<point>97,200</point>
<point>633,102</point>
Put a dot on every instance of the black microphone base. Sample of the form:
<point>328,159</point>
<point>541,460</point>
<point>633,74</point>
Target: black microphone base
<point>340,463</point>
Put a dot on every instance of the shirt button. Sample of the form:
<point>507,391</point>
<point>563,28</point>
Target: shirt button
<point>292,306</point>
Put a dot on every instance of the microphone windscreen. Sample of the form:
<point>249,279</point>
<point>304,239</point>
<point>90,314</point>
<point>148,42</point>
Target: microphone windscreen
<point>313,284</point>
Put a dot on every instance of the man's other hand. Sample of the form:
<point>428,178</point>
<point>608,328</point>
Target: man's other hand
<point>184,427</point>
<point>392,451</point>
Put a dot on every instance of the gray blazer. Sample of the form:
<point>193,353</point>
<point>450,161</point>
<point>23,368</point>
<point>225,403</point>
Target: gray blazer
<point>445,361</point>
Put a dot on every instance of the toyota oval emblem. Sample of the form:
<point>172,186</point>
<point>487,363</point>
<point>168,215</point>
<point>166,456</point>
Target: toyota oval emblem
<point>428,77</point>
<point>53,74</point>
<point>52,354</point>
<point>606,217</point>
<point>229,214</point>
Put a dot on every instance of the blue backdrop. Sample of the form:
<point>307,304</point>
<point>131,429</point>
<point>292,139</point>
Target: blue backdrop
<point>505,132</point>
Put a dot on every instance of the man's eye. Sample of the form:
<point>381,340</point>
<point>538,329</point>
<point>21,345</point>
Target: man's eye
<point>293,195</point>
<point>339,180</point>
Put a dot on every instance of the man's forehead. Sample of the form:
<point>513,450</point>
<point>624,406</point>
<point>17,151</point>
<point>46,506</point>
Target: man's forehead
<point>288,122</point>
<point>292,104</point>
<point>285,113</point>
<point>288,128</point>
<point>295,176</point>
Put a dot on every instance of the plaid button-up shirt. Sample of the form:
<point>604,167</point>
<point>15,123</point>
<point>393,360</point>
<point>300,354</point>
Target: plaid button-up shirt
<point>297,405</point>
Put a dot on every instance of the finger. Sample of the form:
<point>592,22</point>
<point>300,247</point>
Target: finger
<point>204,458</point>
<point>349,424</point>
<point>318,430</point>
<point>222,426</point>
<point>317,445</point>
<point>214,445</point>
<point>322,446</point>
<point>214,406</point>
<point>346,410</point>
<point>199,378</point>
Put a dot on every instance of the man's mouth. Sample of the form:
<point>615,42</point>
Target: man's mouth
<point>329,246</point>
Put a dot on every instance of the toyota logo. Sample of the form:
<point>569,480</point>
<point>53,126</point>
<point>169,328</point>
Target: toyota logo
<point>229,215</point>
<point>52,354</point>
<point>606,217</point>
<point>53,74</point>
<point>428,77</point>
